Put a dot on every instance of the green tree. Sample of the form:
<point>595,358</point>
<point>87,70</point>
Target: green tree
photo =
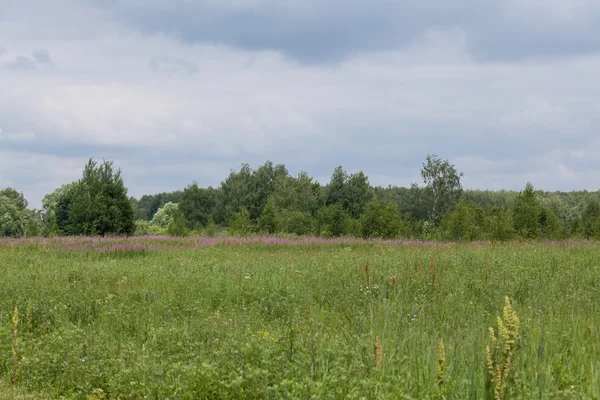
<point>589,217</point>
<point>299,193</point>
<point>250,189</point>
<point>269,220</point>
<point>13,219</point>
<point>527,213</point>
<point>576,228</point>
<point>241,223</point>
<point>148,205</point>
<point>352,192</point>
<point>300,223</point>
<point>331,221</point>
<point>177,226</point>
<point>551,226</point>
<point>382,219</point>
<point>498,225</point>
<point>18,199</point>
<point>336,188</point>
<point>55,219</point>
<point>211,228</point>
<point>98,203</point>
<point>463,223</point>
<point>167,213</point>
<point>358,193</point>
<point>197,204</point>
<point>443,188</point>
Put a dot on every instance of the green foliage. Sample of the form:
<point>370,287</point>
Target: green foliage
<point>382,219</point>
<point>198,229</point>
<point>197,204</point>
<point>211,228</point>
<point>576,228</point>
<point>177,227</point>
<point>142,228</point>
<point>277,202</point>
<point>13,219</point>
<point>269,220</point>
<point>241,224</point>
<point>250,189</point>
<point>443,187</point>
<point>551,225</point>
<point>352,228</point>
<point>331,221</point>
<point>498,225</point>
<point>527,213</point>
<point>97,204</point>
<point>300,223</point>
<point>352,192</point>
<point>16,198</point>
<point>55,207</point>
<point>32,228</point>
<point>336,188</point>
<point>148,205</point>
<point>298,194</point>
<point>165,214</point>
<point>464,222</point>
<point>589,217</point>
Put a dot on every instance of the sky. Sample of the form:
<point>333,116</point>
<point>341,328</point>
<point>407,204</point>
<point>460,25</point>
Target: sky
<point>180,91</point>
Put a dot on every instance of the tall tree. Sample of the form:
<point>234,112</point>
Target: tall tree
<point>18,199</point>
<point>527,212</point>
<point>443,187</point>
<point>464,222</point>
<point>197,204</point>
<point>382,219</point>
<point>148,205</point>
<point>358,193</point>
<point>590,217</point>
<point>299,193</point>
<point>269,221</point>
<point>250,189</point>
<point>167,213</point>
<point>13,219</point>
<point>352,192</point>
<point>336,187</point>
<point>100,204</point>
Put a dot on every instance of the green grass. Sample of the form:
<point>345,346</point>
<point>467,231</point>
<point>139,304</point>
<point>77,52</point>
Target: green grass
<point>283,322</point>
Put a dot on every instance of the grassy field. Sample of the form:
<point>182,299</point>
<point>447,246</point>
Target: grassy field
<point>162,318</point>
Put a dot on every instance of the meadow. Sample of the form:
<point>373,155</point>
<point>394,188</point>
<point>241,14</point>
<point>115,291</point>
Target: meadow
<point>272,318</point>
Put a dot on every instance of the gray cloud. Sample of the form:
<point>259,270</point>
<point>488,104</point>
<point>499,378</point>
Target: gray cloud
<point>173,66</point>
<point>312,30</point>
<point>20,62</point>
<point>42,56</point>
<point>190,90</point>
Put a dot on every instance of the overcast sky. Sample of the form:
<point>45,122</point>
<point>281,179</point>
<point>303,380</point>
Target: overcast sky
<point>181,90</point>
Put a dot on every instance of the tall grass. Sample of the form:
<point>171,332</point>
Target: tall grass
<point>277,320</point>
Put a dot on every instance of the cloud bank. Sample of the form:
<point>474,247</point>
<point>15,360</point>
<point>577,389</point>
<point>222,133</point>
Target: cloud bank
<point>182,91</point>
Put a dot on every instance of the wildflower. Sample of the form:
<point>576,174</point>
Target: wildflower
<point>499,359</point>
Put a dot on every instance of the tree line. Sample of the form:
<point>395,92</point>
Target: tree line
<point>269,200</point>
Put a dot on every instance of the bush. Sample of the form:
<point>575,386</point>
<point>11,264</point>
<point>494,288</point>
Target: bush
<point>241,224</point>
<point>269,220</point>
<point>211,228</point>
<point>463,223</point>
<point>331,220</point>
<point>177,227</point>
<point>142,228</point>
<point>297,222</point>
<point>382,219</point>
